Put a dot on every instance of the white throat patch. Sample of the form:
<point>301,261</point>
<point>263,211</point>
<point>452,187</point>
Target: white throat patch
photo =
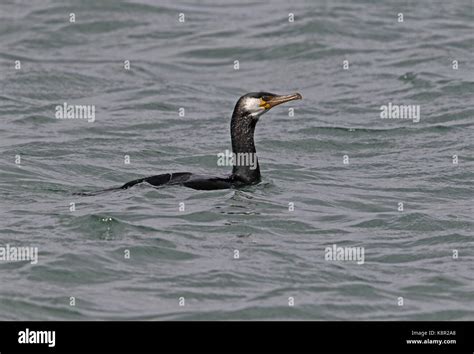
<point>252,105</point>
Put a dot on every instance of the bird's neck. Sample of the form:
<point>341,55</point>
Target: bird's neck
<point>246,168</point>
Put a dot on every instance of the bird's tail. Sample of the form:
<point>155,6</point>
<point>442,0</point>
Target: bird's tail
<point>125,186</point>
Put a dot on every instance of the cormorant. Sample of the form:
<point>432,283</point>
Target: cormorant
<point>247,112</point>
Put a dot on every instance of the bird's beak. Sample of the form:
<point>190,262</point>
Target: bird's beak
<point>276,100</point>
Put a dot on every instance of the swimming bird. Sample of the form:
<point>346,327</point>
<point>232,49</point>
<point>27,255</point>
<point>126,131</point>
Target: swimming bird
<point>248,109</point>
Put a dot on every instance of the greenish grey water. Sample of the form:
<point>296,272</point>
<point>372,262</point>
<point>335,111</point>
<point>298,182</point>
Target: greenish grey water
<point>190,253</point>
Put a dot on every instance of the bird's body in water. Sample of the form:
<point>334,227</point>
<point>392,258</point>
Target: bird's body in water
<point>247,112</point>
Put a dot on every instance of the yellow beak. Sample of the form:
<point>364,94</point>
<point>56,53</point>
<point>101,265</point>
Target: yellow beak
<point>275,101</point>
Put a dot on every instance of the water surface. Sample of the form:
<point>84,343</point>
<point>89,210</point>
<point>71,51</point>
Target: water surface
<point>190,254</point>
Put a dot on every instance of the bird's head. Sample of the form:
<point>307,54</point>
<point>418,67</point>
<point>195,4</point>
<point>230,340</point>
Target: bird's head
<point>248,109</point>
<point>255,104</point>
